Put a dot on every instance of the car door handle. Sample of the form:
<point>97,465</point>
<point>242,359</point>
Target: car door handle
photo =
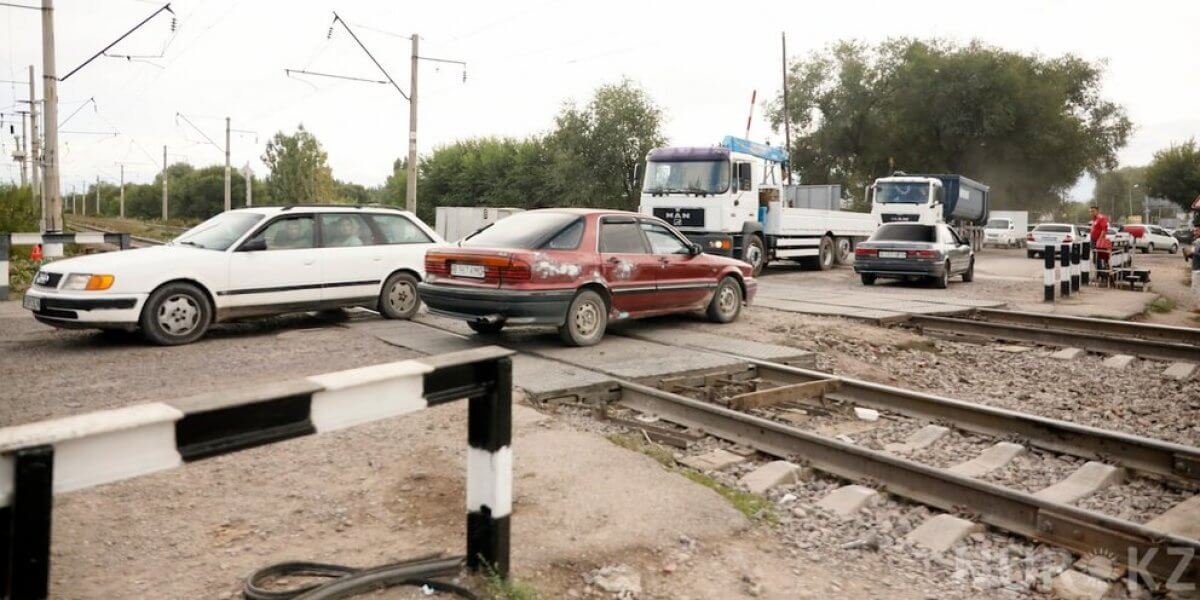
<point>613,260</point>
<point>309,262</point>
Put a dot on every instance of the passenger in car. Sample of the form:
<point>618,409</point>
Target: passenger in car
<point>345,233</point>
<point>291,236</point>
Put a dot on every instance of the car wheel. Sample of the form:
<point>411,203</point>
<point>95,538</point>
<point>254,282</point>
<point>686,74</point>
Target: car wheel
<point>587,318</point>
<point>942,281</point>
<point>1030,254</point>
<point>399,298</point>
<point>867,278</point>
<point>969,274</point>
<point>1174,249</point>
<point>754,254</point>
<point>1148,249</point>
<point>485,328</point>
<point>726,302</point>
<point>176,313</point>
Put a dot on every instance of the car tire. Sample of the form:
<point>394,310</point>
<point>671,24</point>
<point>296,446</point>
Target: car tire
<point>398,298</point>
<point>587,318</point>
<point>1148,249</point>
<point>1030,254</point>
<point>754,254</point>
<point>942,281</point>
<point>867,278</point>
<point>175,314</point>
<point>969,275</point>
<point>726,303</point>
<point>1174,249</point>
<point>485,328</point>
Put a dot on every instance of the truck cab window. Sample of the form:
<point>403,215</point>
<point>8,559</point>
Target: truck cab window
<point>742,176</point>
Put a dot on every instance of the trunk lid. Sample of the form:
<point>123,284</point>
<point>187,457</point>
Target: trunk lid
<point>476,267</point>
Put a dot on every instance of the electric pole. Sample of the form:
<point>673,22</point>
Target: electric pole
<point>787,118</point>
<point>36,144</point>
<point>54,216</point>
<point>20,156</point>
<point>249,177</point>
<point>97,195</point>
<point>122,204</point>
<point>228,181</point>
<point>164,182</point>
<point>410,196</point>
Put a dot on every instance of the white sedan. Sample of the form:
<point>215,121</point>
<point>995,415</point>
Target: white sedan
<point>242,263</point>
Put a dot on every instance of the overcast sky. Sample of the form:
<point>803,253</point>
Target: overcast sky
<point>699,60</point>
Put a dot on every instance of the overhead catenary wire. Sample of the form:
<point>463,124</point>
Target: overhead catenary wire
<point>165,7</point>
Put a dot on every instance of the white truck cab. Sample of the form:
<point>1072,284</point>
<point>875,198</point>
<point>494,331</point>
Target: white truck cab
<point>931,199</point>
<point>732,200</point>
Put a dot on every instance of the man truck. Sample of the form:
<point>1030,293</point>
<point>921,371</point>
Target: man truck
<point>932,199</point>
<point>731,200</point>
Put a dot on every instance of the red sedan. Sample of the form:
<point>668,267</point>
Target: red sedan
<point>577,270</point>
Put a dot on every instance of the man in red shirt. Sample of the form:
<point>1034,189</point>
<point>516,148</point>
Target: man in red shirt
<point>1099,235</point>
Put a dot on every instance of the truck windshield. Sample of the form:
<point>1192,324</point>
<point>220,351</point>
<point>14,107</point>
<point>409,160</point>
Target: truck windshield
<point>687,177</point>
<point>901,192</point>
<point>997,224</point>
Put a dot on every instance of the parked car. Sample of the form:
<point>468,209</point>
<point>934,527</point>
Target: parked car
<point>578,270</point>
<point>1118,238</point>
<point>1003,231</point>
<point>1186,238</point>
<point>242,263</point>
<point>1149,238</point>
<point>904,250</point>
<point>1050,234</point>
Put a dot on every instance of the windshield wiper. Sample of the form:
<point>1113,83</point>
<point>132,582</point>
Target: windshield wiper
<point>191,243</point>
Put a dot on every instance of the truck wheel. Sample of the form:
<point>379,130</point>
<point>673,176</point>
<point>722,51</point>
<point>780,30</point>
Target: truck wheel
<point>825,254</point>
<point>754,254</point>
<point>842,253</point>
<point>587,318</point>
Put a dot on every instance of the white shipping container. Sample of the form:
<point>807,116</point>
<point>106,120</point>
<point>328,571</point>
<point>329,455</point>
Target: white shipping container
<point>454,223</point>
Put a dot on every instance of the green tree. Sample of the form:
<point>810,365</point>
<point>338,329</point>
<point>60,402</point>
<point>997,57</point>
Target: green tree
<point>1174,174</point>
<point>1026,125</point>
<point>299,169</point>
<point>1121,191</point>
<point>597,149</point>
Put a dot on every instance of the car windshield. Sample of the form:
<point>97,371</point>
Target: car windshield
<point>1053,228</point>
<point>997,224</point>
<point>219,232</point>
<point>526,231</point>
<point>905,232</point>
<point>901,192</point>
<point>694,177</point>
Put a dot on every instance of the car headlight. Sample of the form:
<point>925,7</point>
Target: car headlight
<point>87,281</point>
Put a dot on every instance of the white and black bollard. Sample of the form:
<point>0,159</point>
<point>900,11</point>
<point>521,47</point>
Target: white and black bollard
<point>4,245</point>
<point>1085,276</point>
<point>1048,274</point>
<point>1075,268</point>
<point>1065,272</point>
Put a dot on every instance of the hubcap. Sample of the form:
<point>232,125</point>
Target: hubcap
<point>754,255</point>
<point>727,300</point>
<point>402,296</point>
<point>178,315</point>
<point>587,319</point>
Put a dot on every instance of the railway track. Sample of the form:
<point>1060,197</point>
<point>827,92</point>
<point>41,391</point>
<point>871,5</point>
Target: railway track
<point>1144,340</point>
<point>135,241</point>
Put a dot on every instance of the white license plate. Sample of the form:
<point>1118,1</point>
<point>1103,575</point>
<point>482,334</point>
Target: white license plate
<point>31,303</point>
<point>473,271</point>
<point>892,254</point>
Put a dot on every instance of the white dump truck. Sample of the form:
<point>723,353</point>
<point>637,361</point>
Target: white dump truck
<point>930,199</point>
<point>731,200</point>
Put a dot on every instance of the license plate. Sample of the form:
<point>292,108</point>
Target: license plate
<point>473,271</point>
<point>31,303</point>
<point>887,254</point>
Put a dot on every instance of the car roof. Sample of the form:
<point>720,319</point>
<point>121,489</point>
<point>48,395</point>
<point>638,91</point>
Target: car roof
<point>589,211</point>
<point>321,208</point>
<point>1058,224</point>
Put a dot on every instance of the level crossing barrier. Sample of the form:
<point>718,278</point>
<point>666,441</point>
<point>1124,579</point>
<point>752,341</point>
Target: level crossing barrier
<point>8,240</point>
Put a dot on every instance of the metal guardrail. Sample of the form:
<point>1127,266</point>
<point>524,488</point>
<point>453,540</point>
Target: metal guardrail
<point>38,460</point>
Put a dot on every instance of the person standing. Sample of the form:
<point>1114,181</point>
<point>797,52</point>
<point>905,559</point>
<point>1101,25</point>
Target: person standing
<point>1101,246</point>
<point>1196,265</point>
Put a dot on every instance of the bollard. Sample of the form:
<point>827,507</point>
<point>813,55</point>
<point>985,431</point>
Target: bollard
<point>1086,275</point>
<point>1048,274</point>
<point>1065,271</point>
<point>1074,268</point>
<point>4,245</point>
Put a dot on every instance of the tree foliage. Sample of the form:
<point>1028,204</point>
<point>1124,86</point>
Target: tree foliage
<point>1121,191</point>
<point>1027,126</point>
<point>299,169</point>
<point>1174,174</point>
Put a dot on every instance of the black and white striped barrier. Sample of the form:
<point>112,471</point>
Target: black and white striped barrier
<point>1048,279</point>
<point>38,460</point>
<point>8,240</point>
<point>1085,276</point>
<point>1065,271</point>
<point>1075,268</point>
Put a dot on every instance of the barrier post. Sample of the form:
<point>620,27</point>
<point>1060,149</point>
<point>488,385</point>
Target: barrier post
<point>489,474</point>
<point>5,239</point>
<point>1086,275</point>
<point>26,568</point>
<point>1065,271</point>
<point>1048,274</point>
<point>1075,268</point>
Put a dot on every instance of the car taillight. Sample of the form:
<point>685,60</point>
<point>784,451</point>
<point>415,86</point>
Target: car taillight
<point>922,253</point>
<point>1029,237</point>
<point>436,265</point>
<point>516,271</point>
<point>1067,239</point>
<point>866,252</point>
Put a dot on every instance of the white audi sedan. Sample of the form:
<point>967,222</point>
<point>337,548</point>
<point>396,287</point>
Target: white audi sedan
<point>243,263</point>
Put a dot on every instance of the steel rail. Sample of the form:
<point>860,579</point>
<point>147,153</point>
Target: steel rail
<point>145,241</point>
<point>1080,530</point>
<point>1096,342</point>
<point>1163,333</point>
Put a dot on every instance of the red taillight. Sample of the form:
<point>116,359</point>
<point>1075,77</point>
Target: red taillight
<point>923,254</point>
<point>866,252</point>
<point>1067,239</point>
<point>1029,237</point>
<point>516,271</point>
<point>436,265</point>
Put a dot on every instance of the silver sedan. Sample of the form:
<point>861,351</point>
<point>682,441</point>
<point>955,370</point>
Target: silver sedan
<point>904,250</point>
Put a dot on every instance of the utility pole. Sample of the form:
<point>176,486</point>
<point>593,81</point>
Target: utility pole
<point>35,143</point>
<point>249,177</point>
<point>20,155</point>
<point>54,217</point>
<point>97,195</point>
<point>164,181</point>
<point>122,204</point>
<point>787,119</point>
<point>410,196</point>
<point>228,181</point>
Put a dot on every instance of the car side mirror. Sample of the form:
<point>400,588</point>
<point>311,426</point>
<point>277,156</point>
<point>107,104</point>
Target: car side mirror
<point>253,245</point>
<point>695,250</point>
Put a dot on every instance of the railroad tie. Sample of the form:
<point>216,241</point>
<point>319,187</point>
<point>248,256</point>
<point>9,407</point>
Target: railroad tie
<point>989,460</point>
<point>1085,481</point>
<point>921,439</point>
<point>1182,520</point>
<point>940,533</point>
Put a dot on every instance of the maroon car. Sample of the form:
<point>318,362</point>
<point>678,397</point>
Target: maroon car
<point>577,270</point>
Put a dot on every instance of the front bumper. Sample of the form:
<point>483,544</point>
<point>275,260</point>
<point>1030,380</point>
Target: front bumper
<point>83,311</point>
<point>498,305</point>
<point>730,244</point>
<point>899,268</point>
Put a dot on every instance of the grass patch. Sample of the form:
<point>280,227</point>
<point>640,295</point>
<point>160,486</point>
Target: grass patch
<point>636,442</point>
<point>499,588</point>
<point>751,505</point>
<point>1161,304</point>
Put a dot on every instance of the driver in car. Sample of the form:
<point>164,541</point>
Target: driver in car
<point>292,236</point>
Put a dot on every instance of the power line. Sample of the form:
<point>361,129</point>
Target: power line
<point>338,19</point>
<point>166,7</point>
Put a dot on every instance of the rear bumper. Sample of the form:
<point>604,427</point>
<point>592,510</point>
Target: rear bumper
<point>899,268</point>
<point>497,305</point>
<point>88,312</point>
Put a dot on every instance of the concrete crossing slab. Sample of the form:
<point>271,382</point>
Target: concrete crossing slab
<point>874,306</point>
<point>701,340</point>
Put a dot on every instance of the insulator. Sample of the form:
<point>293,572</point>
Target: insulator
<point>174,23</point>
<point>329,35</point>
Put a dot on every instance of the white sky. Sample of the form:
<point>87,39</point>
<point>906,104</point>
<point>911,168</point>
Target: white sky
<point>699,60</point>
